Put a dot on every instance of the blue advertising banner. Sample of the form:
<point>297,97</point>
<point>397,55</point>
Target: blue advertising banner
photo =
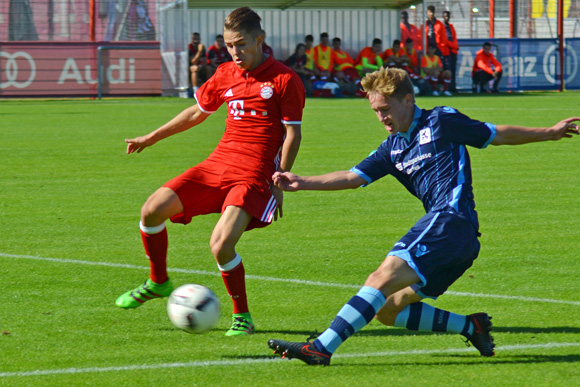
<point>527,64</point>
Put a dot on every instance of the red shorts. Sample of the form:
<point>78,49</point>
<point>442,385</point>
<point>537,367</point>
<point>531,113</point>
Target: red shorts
<point>209,188</point>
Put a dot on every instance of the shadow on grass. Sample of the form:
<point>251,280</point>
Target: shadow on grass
<point>462,360</point>
<point>538,330</point>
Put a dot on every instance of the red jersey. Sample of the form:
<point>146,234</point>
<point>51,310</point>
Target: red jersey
<point>259,103</point>
<point>484,62</point>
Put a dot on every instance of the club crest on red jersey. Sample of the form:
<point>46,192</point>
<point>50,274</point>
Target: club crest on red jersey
<point>267,90</point>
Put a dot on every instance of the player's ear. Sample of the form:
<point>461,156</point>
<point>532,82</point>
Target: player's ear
<point>260,39</point>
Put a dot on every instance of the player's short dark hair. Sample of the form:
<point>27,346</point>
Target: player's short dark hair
<point>195,33</point>
<point>446,12</point>
<point>244,19</point>
<point>396,42</point>
<point>409,40</point>
<point>404,13</point>
<point>431,8</point>
<point>431,45</point>
<point>486,44</point>
<point>324,35</point>
<point>377,41</point>
<point>219,37</point>
<point>299,45</point>
<point>336,40</point>
<point>309,38</point>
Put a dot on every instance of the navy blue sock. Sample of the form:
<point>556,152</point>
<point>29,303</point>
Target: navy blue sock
<point>353,316</point>
<point>424,317</point>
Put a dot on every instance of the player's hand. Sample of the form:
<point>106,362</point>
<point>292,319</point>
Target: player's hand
<point>279,196</point>
<point>286,181</point>
<point>565,128</point>
<point>138,144</point>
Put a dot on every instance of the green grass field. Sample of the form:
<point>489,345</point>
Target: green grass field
<point>69,245</point>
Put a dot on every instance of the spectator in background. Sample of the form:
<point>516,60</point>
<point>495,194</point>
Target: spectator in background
<point>218,54</point>
<point>453,47</point>
<point>485,68</point>
<point>198,70</point>
<point>344,70</point>
<point>265,48</point>
<point>308,44</point>
<point>412,65</point>
<point>410,31</point>
<point>297,62</point>
<point>432,71</point>
<point>370,58</point>
<point>435,33</point>
<point>394,56</point>
<point>343,63</point>
<point>324,58</point>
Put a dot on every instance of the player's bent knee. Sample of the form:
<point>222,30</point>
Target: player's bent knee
<point>160,206</point>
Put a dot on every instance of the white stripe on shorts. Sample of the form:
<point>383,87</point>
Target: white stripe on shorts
<point>269,212</point>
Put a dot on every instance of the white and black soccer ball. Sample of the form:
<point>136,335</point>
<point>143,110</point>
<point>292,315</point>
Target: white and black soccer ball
<point>193,308</point>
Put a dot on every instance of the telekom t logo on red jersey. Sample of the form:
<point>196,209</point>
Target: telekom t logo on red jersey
<point>237,109</point>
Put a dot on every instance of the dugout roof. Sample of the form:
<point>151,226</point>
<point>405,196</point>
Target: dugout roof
<point>304,4</point>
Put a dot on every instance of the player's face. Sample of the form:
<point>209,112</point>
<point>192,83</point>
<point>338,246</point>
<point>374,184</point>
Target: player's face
<point>430,15</point>
<point>336,45</point>
<point>246,51</point>
<point>195,39</point>
<point>486,49</point>
<point>395,115</point>
<point>377,48</point>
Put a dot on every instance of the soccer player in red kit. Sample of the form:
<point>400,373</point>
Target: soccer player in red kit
<point>263,131</point>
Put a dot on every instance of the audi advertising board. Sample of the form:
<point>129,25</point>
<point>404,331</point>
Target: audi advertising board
<point>72,69</point>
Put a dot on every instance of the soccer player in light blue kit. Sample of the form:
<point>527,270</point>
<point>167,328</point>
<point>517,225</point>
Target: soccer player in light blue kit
<point>426,151</point>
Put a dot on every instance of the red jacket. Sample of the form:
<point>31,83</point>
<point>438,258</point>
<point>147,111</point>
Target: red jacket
<point>484,62</point>
<point>414,33</point>
<point>440,37</point>
<point>452,44</point>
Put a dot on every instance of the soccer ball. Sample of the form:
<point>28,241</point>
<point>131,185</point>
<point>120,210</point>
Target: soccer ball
<point>193,308</point>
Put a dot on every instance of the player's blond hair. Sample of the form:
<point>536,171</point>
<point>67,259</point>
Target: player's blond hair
<point>389,82</point>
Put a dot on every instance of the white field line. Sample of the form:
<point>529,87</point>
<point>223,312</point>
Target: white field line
<point>243,362</point>
<point>274,279</point>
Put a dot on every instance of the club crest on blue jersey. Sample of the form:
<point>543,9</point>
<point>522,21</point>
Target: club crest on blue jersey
<point>425,136</point>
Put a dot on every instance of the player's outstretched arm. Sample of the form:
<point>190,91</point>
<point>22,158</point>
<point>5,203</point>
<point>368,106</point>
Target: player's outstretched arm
<point>188,118</point>
<point>333,181</point>
<point>515,135</point>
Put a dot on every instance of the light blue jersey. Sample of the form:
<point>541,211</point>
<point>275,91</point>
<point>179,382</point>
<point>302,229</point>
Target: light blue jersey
<point>431,159</point>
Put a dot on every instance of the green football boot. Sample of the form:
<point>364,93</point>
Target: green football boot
<point>241,325</point>
<point>141,294</point>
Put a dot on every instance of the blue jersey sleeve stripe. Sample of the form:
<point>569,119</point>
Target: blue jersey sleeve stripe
<point>460,180</point>
<point>493,130</point>
<point>363,175</point>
